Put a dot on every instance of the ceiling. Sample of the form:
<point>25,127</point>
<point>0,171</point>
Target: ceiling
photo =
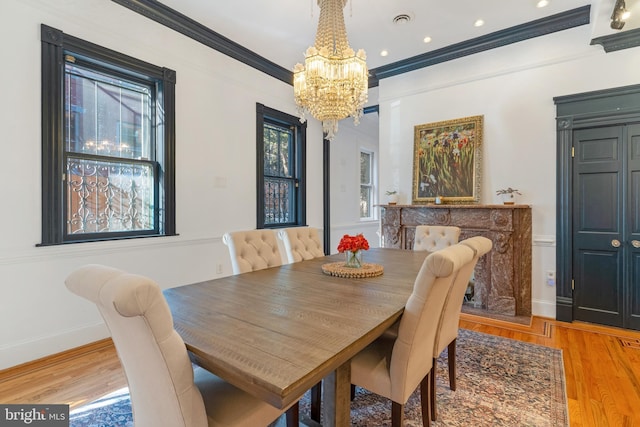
<point>281,30</point>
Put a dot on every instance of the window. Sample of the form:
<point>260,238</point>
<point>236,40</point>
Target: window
<point>108,143</point>
<point>281,154</point>
<point>366,185</point>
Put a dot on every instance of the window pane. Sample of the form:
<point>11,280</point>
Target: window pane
<point>365,168</point>
<point>278,151</point>
<point>278,201</point>
<point>106,116</point>
<point>365,202</point>
<point>109,196</point>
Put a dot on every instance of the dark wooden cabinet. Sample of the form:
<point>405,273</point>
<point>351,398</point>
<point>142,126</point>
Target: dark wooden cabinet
<point>503,276</point>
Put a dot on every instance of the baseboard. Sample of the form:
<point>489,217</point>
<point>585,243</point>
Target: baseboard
<point>24,352</point>
<point>543,308</point>
<point>54,359</point>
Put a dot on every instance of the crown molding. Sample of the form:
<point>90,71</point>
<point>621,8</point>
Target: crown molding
<point>619,41</point>
<point>540,27</point>
<point>173,19</point>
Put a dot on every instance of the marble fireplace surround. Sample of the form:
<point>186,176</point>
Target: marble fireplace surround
<point>503,276</point>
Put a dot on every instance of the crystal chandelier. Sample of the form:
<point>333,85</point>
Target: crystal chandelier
<point>332,84</point>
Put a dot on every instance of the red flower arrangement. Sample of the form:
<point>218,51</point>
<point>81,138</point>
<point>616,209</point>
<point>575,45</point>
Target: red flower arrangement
<point>353,243</point>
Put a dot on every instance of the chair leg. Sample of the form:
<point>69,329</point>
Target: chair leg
<point>316,401</point>
<point>452,364</point>
<point>432,391</point>
<point>425,399</point>
<point>397,414</point>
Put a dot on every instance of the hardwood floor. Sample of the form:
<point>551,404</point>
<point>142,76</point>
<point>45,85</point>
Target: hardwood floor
<point>602,370</point>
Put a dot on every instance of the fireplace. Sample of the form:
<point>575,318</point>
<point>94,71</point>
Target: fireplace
<point>502,278</point>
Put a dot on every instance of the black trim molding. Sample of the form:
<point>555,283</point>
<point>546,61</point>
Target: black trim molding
<point>173,19</point>
<point>579,111</point>
<point>54,46</point>
<point>619,41</point>
<point>518,33</point>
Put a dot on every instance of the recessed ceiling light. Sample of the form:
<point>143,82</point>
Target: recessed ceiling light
<point>427,39</point>
<point>478,23</point>
<point>384,52</point>
<point>542,3</point>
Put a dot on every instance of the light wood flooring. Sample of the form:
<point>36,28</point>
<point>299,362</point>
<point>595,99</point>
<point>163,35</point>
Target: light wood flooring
<point>602,370</point>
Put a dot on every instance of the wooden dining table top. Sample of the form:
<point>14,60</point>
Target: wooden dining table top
<point>276,332</point>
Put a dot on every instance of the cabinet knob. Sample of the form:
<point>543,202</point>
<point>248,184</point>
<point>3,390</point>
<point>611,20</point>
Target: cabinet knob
<point>635,243</point>
<point>615,243</point>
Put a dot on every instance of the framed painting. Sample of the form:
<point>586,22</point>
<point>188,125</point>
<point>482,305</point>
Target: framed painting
<point>446,161</point>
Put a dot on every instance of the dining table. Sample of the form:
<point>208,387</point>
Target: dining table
<point>277,332</point>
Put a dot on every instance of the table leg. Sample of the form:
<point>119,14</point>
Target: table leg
<point>336,401</point>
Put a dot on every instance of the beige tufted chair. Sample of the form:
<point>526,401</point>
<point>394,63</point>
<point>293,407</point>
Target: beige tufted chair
<point>434,237</point>
<point>448,331</point>
<point>393,368</point>
<point>252,250</point>
<point>165,389</point>
<point>301,243</point>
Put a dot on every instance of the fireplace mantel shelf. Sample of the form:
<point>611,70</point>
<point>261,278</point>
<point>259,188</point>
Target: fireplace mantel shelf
<point>503,276</point>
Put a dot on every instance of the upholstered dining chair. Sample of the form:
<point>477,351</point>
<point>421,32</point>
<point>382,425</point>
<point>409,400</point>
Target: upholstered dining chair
<point>394,367</point>
<point>434,237</point>
<point>449,323</point>
<point>252,250</point>
<point>301,243</point>
<point>165,388</point>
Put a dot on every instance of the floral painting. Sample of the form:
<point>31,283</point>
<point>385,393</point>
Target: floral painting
<point>446,161</point>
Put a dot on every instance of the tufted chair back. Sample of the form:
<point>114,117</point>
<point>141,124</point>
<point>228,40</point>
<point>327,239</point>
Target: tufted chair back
<point>451,315</point>
<point>449,322</point>
<point>435,237</point>
<point>394,367</point>
<point>165,388</point>
<point>153,355</point>
<point>301,243</point>
<point>252,250</point>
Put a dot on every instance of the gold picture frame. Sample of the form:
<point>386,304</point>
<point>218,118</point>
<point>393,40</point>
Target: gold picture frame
<point>446,161</point>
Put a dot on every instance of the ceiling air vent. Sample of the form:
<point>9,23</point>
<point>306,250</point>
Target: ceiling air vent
<point>402,19</point>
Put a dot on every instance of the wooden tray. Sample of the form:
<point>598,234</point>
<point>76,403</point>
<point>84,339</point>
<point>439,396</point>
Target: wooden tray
<point>338,269</point>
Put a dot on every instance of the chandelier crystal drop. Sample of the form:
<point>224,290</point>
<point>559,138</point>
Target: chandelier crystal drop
<point>332,84</point>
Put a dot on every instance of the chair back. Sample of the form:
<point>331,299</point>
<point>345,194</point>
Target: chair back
<point>448,330</point>
<point>421,319</point>
<point>435,237</point>
<point>252,250</point>
<point>153,355</point>
<point>301,243</point>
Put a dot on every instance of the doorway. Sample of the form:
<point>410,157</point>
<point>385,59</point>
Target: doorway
<point>598,207</point>
<point>606,233</point>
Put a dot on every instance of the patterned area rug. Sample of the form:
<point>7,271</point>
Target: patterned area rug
<point>500,382</point>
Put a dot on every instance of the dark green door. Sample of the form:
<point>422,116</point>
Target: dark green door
<point>606,225</point>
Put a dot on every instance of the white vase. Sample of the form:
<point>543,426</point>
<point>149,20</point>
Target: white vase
<point>509,198</point>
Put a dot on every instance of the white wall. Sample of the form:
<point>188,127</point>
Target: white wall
<point>513,87</point>
<point>215,143</point>
<point>345,180</point>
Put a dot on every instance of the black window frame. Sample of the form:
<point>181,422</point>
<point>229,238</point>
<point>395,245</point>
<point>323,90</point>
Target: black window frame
<point>55,46</point>
<point>269,115</point>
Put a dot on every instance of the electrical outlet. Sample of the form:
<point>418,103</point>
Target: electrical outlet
<point>551,278</point>
<point>218,268</point>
